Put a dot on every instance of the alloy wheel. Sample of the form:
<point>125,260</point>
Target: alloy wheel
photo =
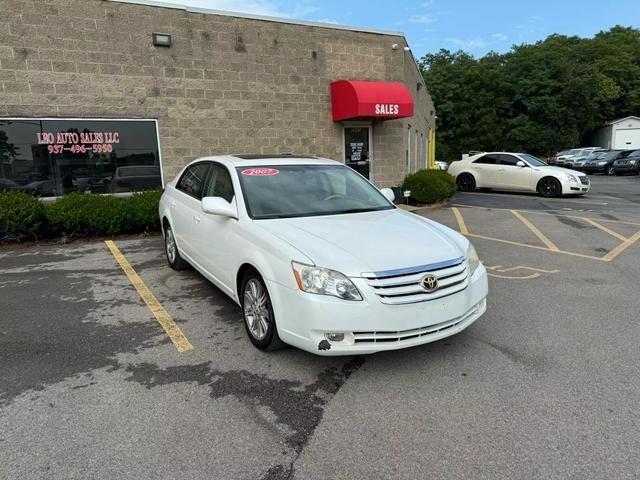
<point>549,188</point>
<point>466,183</point>
<point>170,245</point>
<point>256,312</point>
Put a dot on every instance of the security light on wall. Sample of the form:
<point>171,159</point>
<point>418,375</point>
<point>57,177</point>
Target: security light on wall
<point>161,40</point>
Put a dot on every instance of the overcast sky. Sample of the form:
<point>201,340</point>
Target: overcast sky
<point>475,26</point>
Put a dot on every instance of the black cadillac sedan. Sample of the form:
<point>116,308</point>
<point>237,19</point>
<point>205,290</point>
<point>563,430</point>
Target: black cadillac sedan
<point>629,164</point>
<point>603,161</point>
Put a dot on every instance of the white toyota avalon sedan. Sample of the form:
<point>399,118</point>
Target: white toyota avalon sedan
<point>319,258</point>
<point>518,172</point>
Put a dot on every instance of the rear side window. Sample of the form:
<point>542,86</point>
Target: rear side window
<point>487,160</point>
<point>219,183</point>
<point>192,180</point>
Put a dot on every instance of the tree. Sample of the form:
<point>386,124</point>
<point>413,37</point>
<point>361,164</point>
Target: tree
<point>537,98</point>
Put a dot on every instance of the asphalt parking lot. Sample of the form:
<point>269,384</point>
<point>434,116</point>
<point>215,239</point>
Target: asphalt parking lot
<point>545,385</point>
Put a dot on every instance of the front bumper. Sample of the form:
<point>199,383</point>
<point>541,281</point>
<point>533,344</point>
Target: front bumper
<point>370,326</point>
<point>626,168</point>
<point>594,168</point>
<point>575,188</point>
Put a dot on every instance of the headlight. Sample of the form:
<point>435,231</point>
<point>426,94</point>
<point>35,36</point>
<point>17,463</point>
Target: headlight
<point>602,163</point>
<point>571,178</point>
<point>323,281</point>
<point>472,257</point>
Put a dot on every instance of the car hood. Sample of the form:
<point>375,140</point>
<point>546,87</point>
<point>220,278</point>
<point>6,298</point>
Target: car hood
<point>369,241</point>
<point>551,169</point>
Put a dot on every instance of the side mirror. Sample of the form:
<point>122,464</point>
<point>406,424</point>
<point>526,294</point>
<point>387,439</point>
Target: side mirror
<point>520,163</point>
<point>388,193</point>
<point>219,206</point>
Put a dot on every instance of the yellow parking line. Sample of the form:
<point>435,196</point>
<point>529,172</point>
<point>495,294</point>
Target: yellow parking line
<point>534,212</point>
<point>622,247</point>
<point>461,224</point>
<point>158,311</point>
<point>605,229</point>
<point>550,245</point>
<point>536,247</point>
<point>510,277</point>
<point>524,267</point>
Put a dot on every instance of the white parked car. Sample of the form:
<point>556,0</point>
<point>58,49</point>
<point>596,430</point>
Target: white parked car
<point>517,172</point>
<point>319,258</point>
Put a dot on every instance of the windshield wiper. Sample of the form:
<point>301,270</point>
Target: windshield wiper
<point>270,217</point>
<point>360,210</point>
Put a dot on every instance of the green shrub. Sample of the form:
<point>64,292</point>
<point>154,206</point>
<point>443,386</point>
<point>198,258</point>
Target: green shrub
<point>430,186</point>
<point>83,214</point>
<point>22,216</point>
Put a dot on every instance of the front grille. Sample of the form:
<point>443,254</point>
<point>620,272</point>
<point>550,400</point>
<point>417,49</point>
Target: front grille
<point>404,335</point>
<point>402,286</point>
<point>584,180</point>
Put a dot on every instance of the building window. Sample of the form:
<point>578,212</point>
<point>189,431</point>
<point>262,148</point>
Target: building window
<point>52,157</point>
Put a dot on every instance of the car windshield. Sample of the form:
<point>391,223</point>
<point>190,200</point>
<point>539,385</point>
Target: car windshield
<point>533,161</point>
<point>284,191</point>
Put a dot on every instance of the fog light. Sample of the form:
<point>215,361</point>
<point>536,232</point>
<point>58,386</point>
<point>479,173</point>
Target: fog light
<point>334,337</point>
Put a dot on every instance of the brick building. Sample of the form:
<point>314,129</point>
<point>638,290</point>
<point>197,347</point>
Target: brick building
<point>228,83</point>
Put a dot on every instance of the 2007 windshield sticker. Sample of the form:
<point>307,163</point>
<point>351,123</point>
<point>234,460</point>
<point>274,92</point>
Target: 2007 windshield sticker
<point>260,172</point>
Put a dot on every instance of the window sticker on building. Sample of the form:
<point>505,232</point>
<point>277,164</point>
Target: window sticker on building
<point>260,172</point>
<point>356,151</point>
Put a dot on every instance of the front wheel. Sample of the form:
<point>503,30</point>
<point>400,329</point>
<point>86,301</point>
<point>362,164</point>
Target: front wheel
<point>609,170</point>
<point>466,182</point>
<point>549,187</point>
<point>259,319</point>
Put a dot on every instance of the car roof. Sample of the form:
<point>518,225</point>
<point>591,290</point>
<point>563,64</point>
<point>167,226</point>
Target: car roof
<point>480,154</point>
<point>259,160</point>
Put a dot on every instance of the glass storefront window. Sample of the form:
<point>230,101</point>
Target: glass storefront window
<point>52,157</point>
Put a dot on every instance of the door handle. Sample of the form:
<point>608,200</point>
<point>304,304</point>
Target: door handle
<point>196,218</point>
<point>172,204</point>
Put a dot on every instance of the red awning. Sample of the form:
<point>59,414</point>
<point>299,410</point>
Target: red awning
<point>380,100</point>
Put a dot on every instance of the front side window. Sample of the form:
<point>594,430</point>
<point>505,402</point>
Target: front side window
<point>533,161</point>
<point>219,183</point>
<point>284,191</point>
<point>192,180</point>
<point>508,160</point>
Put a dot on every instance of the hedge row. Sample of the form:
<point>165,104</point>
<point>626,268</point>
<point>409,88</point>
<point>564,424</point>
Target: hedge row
<point>24,217</point>
<point>430,186</point>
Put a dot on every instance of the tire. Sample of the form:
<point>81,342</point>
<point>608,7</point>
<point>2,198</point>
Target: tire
<point>174,259</point>
<point>608,170</point>
<point>259,319</point>
<point>465,182</point>
<point>549,187</point>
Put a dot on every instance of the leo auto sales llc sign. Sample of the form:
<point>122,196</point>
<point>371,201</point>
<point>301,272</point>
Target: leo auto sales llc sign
<point>78,142</point>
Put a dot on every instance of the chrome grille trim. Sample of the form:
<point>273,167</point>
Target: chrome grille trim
<point>399,289</point>
<point>409,270</point>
